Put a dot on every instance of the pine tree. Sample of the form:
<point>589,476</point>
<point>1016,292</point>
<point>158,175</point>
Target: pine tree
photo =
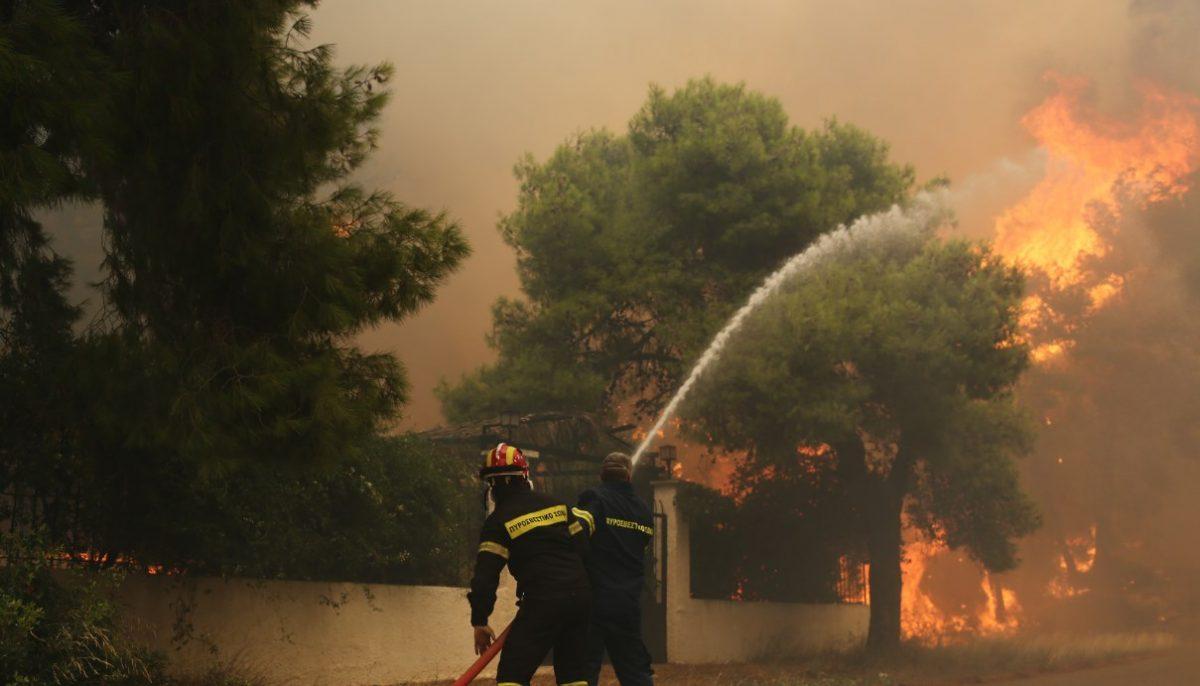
<point>53,84</point>
<point>241,258</point>
<point>238,247</point>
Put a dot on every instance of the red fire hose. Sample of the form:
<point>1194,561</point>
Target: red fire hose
<point>483,660</point>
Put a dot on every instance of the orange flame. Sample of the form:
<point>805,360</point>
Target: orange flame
<point>1095,163</point>
<point>1097,167</point>
<point>1074,566</point>
<point>1002,611</point>
<point>1091,159</point>
<point>922,620</point>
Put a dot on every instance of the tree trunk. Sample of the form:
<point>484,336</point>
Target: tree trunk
<point>881,498</point>
<point>884,545</point>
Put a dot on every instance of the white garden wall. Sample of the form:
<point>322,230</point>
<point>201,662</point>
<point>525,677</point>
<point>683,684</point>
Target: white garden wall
<point>311,633</point>
<point>341,634</point>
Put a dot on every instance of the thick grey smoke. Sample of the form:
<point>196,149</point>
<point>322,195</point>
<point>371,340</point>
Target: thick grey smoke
<point>1164,41</point>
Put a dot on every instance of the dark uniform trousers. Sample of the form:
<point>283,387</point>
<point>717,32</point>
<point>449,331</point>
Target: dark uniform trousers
<point>543,624</point>
<point>620,526</point>
<point>617,626</point>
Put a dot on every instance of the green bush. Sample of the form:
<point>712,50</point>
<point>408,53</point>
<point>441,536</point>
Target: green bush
<point>59,626</point>
<point>395,510</point>
<point>390,510</point>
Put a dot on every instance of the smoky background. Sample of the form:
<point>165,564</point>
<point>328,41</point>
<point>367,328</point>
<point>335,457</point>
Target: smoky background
<point>480,84</point>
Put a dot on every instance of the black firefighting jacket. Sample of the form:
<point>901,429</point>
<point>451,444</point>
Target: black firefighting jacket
<point>540,540</point>
<point>620,525</point>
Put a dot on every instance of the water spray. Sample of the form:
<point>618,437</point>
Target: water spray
<point>927,210</point>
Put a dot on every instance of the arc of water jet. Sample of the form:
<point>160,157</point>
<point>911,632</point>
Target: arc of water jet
<point>927,210</point>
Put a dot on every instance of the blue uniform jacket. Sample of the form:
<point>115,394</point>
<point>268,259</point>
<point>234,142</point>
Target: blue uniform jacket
<point>621,526</point>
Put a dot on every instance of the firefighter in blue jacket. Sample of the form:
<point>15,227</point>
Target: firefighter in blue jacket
<point>620,527</point>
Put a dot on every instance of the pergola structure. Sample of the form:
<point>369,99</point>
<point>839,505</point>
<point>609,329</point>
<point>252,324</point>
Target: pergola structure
<point>564,449</point>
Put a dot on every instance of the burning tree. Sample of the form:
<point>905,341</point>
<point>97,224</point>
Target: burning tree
<point>898,367</point>
<point>1108,236</point>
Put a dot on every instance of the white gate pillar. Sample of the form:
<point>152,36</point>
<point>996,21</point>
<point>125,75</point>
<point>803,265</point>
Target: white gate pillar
<point>678,570</point>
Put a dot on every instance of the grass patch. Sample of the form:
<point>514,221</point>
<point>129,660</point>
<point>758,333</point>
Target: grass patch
<point>1016,656</point>
<point>219,676</point>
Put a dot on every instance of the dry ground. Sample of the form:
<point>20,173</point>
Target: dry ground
<point>1176,668</point>
<point>1108,660</point>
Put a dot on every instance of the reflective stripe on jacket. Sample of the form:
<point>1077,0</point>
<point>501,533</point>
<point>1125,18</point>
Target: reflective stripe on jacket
<point>540,540</point>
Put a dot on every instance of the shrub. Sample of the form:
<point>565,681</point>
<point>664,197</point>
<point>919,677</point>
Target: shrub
<point>392,511</point>
<point>58,626</point>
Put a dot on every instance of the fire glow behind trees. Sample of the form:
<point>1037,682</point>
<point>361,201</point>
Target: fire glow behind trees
<point>903,361</point>
<point>1113,366</point>
<point>1096,166</point>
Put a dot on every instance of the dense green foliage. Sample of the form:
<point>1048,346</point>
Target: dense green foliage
<point>388,514</point>
<point>241,259</point>
<point>53,82</point>
<point>60,628</point>
<point>218,413</point>
<point>633,249</point>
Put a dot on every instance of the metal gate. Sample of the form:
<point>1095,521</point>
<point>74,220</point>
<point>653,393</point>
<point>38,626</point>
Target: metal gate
<point>654,593</point>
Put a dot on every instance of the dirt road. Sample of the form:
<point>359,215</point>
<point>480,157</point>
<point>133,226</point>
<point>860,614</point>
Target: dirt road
<point>1180,667</point>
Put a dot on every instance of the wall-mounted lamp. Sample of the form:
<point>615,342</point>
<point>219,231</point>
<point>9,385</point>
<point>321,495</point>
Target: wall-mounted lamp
<point>666,460</point>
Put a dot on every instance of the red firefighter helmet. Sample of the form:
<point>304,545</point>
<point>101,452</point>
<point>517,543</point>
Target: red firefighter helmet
<point>504,460</point>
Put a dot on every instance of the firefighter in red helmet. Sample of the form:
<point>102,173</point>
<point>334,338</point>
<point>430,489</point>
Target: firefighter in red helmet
<point>543,544</point>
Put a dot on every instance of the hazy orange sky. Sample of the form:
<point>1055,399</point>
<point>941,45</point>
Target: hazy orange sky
<point>478,84</point>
